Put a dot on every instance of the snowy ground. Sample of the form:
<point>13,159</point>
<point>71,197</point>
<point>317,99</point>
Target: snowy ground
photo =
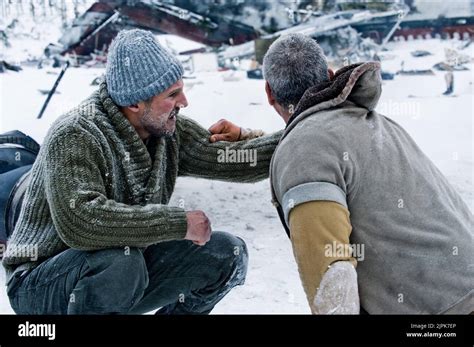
<point>442,126</point>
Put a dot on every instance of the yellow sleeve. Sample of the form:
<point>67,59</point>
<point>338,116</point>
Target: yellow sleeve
<point>320,233</point>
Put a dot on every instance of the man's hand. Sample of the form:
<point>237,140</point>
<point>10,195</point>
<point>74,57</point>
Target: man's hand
<point>338,292</point>
<point>199,228</point>
<point>224,130</point>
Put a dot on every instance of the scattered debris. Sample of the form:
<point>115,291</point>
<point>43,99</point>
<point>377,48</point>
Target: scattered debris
<point>447,67</point>
<point>420,53</point>
<point>387,75</point>
<point>454,61</point>
<point>4,39</point>
<point>449,78</point>
<point>453,57</point>
<point>98,80</point>
<point>47,91</point>
<point>249,227</point>
<point>255,74</point>
<point>428,72</point>
<point>51,92</point>
<point>8,66</point>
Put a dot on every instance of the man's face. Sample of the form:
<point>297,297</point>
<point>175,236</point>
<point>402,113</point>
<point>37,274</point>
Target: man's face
<point>159,115</point>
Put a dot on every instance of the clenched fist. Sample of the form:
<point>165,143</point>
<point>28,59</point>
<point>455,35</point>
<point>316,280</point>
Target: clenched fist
<point>224,130</point>
<point>199,227</point>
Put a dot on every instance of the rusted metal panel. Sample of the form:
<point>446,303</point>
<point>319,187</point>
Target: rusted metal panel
<point>154,16</point>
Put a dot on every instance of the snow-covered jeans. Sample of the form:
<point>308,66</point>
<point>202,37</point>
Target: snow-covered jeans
<point>177,276</point>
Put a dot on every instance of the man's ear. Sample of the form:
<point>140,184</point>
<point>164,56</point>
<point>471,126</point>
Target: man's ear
<point>330,74</point>
<point>133,108</point>
<point>268,90</point>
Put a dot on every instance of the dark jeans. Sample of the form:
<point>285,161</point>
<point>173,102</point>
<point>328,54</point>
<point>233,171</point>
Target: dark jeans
<point>178,276</point>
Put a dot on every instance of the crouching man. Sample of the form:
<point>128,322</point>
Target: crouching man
<point>353,188</point>
<point>96,211</point>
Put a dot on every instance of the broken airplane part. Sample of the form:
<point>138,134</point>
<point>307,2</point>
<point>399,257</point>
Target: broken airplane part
<point>236,28</point>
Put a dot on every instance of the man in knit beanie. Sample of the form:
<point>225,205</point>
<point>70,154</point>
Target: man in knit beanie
<point>96,211</point>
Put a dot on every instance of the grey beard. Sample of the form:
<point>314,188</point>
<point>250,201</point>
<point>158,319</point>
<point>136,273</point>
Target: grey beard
<point>157,128</point>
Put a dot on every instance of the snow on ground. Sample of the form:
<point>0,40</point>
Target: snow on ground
<point>442,126</point>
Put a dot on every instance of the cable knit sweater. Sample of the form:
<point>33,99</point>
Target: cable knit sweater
<point>94,184</point>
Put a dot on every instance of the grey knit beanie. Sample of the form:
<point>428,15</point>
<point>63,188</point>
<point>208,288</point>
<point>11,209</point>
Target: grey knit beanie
<point>138,67</point>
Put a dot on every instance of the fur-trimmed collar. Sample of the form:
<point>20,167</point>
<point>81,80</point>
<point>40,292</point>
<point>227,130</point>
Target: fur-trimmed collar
<point>359,83</point>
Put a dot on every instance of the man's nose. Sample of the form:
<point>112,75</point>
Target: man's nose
<point>182,102</point>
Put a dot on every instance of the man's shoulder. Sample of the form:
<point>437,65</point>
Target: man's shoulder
<point>76,122</point>
<point>312,132</point>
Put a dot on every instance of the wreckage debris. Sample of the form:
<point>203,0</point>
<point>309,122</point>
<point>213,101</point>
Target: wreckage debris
<point>47,91</point>
<point>255,74</point>
<point>7,66</point>
<point>427,72</point>
<point>442,66</point>
<point>97,81</point>
<point>387,75</point>
<point>420,53</point>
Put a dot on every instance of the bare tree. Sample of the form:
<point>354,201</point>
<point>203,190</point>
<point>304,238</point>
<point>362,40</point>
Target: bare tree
<point>19,7</point>
<point>43,4</point>
<point>2,9</point>
<point>76,9</point>
<point>63,13</point>
<point>32,9</point>
<point>7,8</point>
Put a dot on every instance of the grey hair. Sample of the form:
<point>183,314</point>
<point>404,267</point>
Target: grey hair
<point>292,64</point>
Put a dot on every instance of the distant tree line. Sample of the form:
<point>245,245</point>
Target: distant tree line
<point>40,9</point>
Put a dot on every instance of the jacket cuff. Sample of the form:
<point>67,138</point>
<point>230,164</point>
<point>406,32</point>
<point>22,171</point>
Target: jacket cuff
<point>313,191</point>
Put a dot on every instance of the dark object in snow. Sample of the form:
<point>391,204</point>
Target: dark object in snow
<point>449,78</point>
<point>53,50</point>
<point>56,62</point>
<point>4,38</point>
<point>387,75</point>
<point>255,74</point>
<point>420,53</point>
<point>13,24</point>
<point>10,66</point>
<point>447,67</point>
<point>17,154</point>
<point>96,81</point>
<point>428,72</point>
<point>193,51</point>
<point>53,90</point>
<point>47,91</point>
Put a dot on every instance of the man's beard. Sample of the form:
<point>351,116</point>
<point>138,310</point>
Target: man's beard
<point>158,127</point>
